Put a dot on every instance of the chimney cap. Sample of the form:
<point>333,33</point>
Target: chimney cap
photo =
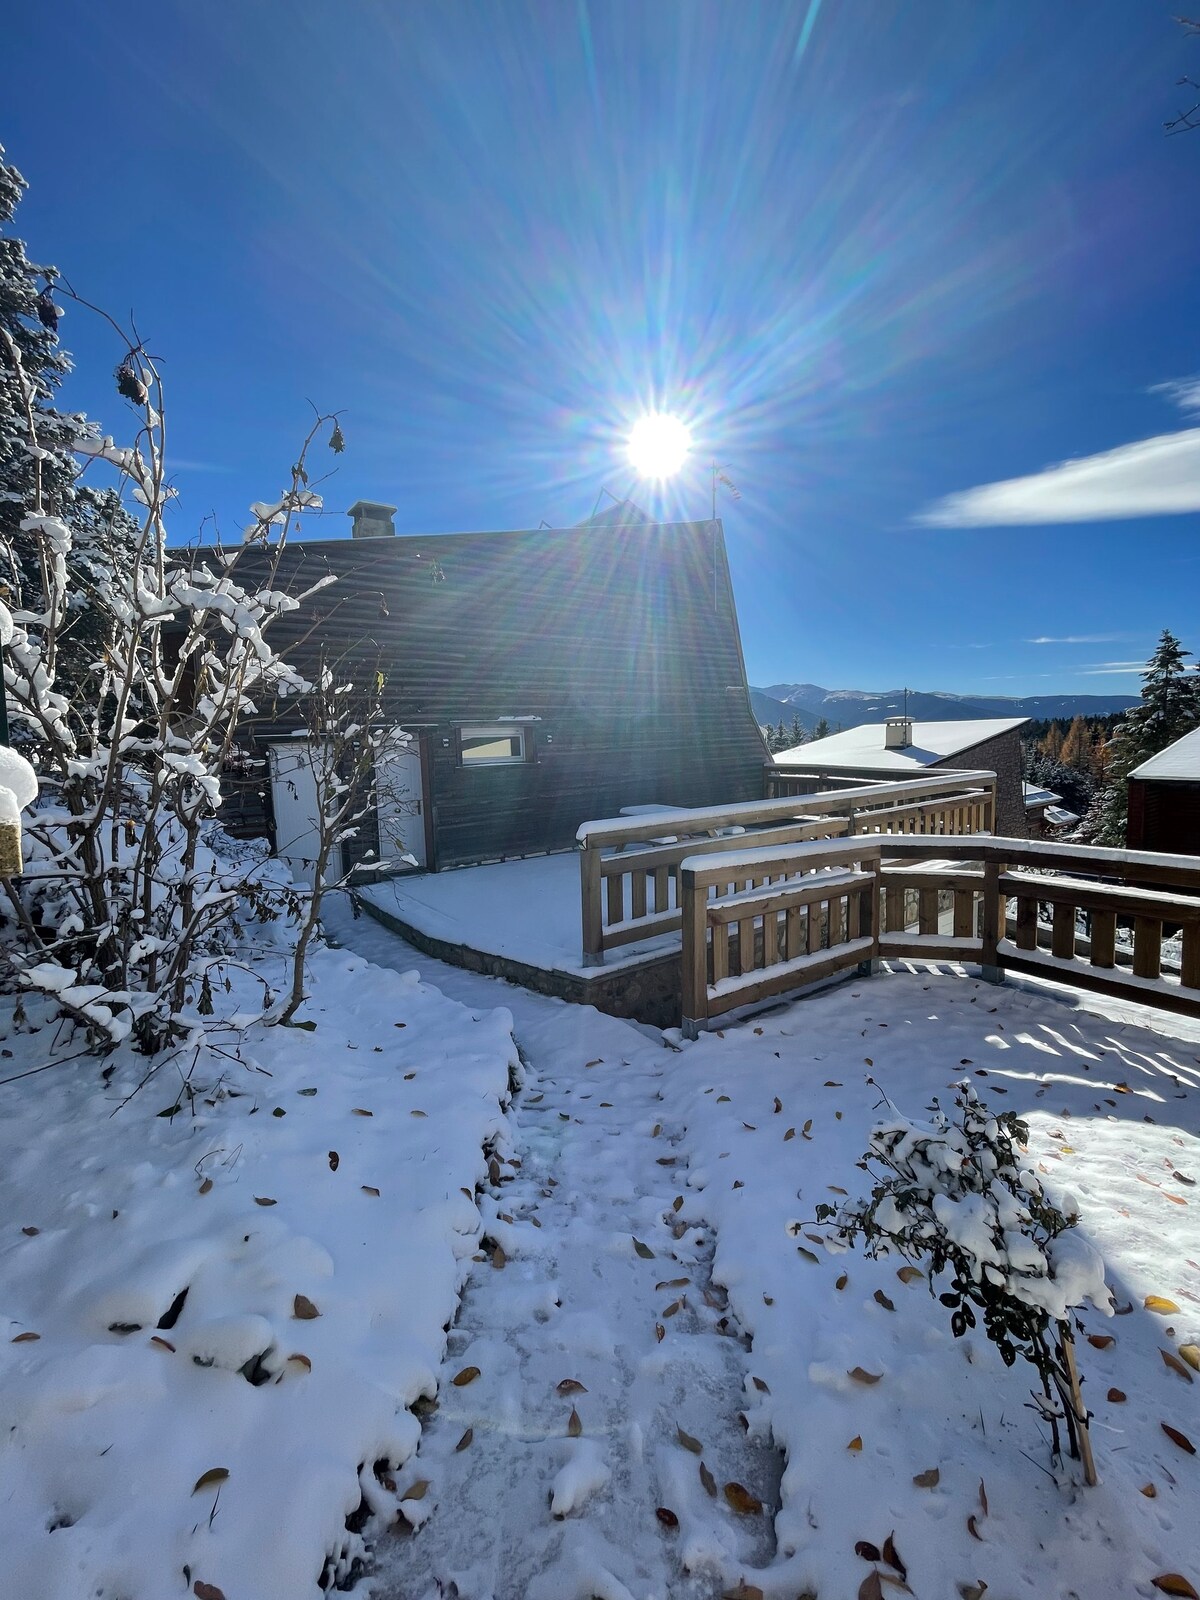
<point>371,506</point>
<point>371,519</point>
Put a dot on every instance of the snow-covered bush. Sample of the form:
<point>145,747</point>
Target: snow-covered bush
<point>954,1195</point>
<point>128,668</point>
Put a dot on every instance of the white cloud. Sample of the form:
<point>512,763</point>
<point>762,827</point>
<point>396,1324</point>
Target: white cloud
<point>1151,478</point>
<point>1184,392</point>
<point>1080,638</point>
<point>1122,667</point>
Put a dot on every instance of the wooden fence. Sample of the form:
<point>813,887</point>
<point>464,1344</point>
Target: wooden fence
<point>629,867</point>
<point>843,905</point>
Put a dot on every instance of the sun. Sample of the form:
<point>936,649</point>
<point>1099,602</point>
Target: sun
<point>658,445</point>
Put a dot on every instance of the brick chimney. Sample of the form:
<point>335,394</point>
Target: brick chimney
<point>897,733</point>
<point>371,520</point>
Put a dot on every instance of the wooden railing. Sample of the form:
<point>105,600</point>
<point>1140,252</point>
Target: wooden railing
<point>842,905</point>
<point>629,866</point>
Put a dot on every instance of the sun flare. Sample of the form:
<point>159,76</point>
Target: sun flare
<point>658,445</point>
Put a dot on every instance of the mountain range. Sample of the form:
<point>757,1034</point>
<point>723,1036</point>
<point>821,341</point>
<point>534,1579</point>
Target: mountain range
<point>848,708</point>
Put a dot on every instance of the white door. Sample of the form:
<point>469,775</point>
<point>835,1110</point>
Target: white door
<point>294,798</point>
<point>399,799</point>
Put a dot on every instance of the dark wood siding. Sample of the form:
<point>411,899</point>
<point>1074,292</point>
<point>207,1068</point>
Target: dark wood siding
<point>621,641</point>
<point>1164,816</point>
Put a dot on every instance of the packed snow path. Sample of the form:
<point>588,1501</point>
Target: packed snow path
<point>590,1455</point>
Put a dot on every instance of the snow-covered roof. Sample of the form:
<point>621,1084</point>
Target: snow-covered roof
<point>1060,816</point>
<point>1178,763</point>
<point>1036,796</point>
<point>931,742</point>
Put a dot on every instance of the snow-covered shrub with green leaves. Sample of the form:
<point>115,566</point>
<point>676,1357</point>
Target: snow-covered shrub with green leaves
<point>954,1196</point>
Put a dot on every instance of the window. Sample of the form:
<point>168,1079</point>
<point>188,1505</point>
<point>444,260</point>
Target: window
<point>496,745</point>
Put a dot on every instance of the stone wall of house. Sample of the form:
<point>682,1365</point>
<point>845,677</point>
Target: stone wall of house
<point>1002,756</point>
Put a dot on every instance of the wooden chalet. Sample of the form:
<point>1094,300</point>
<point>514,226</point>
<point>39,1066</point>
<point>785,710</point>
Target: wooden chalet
<point>540,678</point>
<point>1164,799</point>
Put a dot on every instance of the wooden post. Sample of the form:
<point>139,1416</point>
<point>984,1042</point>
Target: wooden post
<point>1189,976</point>
<point>1085,1438</point>
<point>1062,935</point>
<point>1104,939</point>
<point>1147,947</point>
<point>695,954</point>
<point>993,929</point>
<point>589,899</point>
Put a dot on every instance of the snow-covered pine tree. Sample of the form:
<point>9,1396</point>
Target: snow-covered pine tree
<point>1170,707</point>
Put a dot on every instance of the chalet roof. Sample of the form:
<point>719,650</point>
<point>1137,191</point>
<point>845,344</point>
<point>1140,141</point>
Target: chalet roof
<point>1178,763</point>
<point>932,742</point>
<point>634,623</point>
<point>1037,796</point>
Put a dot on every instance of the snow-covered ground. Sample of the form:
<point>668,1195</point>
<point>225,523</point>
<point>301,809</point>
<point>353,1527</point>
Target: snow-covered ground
<point>216,1311</point>
<point>942,1452</point>
<point>648,1187</point>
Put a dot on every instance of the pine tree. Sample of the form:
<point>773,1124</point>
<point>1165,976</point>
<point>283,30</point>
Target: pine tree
<point>1170,707</point>
<point>797,730</point>
<point>1051,746</point>
<point>821,731</point>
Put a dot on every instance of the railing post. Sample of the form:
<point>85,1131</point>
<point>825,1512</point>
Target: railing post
<point>991,970</point>
<point>869,916</point>
<point>589,901</point>
<point>694,985</point>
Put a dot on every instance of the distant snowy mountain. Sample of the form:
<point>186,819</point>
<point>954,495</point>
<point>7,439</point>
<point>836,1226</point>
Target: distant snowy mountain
<point>850,707</point>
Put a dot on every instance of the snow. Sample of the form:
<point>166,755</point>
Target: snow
<point>18,781</point>
<point>1178,763</point>
<point>931,742</point>
<point>636,1308</point>
<point>522,910</point>
<point>117,1407</point>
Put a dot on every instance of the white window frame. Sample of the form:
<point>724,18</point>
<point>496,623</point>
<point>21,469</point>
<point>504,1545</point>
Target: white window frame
<point>495,730</point>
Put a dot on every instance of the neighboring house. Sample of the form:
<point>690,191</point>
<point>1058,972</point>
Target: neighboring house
<point>1044,811</point>
<point>535,680</point>
<point>900,748</point>
<point>1164,799</point>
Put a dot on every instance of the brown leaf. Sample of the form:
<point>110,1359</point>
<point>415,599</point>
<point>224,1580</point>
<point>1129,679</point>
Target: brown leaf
<point>1156,1302</point>
<point>301,1360</point>
<point>666,1516</point>
<point>359,1112</point>
<point>571,1386</point>
<point>643,1250</point>
<point>883,1300</point>
<point>1181,1439</point>
<point>673,1283</point>
<point>742,1501</point>
<point>25,1338</point>
<point>743,1591</point>
<point>1173,1361</point>
<point>1191,1354</point>
<point>868,1551</point>
<point>1116,1396</point>
<point>808,1255</point>
<point>465,1440</point>
<point>207,1591</point>
<point>165,1343</point>
<point>983,1500</point>
<point>369,1188</point>
<point>460,1380</point>
<point>417,1491</point>
<point>804,1131</point>
<point>499,1259</point>
<point>892,1556</point>
<point>790,1134</point>
<point>418,1113</point>
<point>855,1443</point>
<point>707,1479</point>
<point>660,1333</point>
<point>206,1186</point>
<point>870,1588</point>
<point>1175,1583</point>
<point>1149,1491</point>
<point>334,1161</point>
<point>574,1425</point>
<point>677,1203</point>
<point>861,1375</point>
<point>688,1442</point>
<point>973,1529</point>
<point>929,1479</point>
<point>672,1309</point>
<point>778,1104</point>
<point>303,1308</point>
<point>760,1385</point>
<point>1100,1341</point>
<point>973,1591</point>
<point>261,1200</point>
<point>909,1274</point>
<point>842,1281</point>
<point>207,1479</point>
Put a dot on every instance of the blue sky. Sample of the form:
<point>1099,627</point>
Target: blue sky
<point>883,257</point>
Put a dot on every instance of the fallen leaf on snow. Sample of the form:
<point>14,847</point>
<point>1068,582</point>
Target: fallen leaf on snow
<point>867,1550</point>
<point>261,1200</point>
<point>870,1588</point>
<point>929,1479</point>
<point>1100,1341</point>
<point>643,1250</point>
<point>666,1516</point>
<point>1171,1360</point>
<point>574,1425</point>
<point>742,1501</point>
<point>707,1479</point>
<point>465,1440</point>
<point>1116,1395</point>
<point>1181,1439</point>
<point>909,1274</point>
<point>207,1479</point>
<point>460,1380</point>
<point>207,1591</point>
<point>301,1360</point>
<point>1175,1583</point>
<point>25,1338</point>
<point>855,1443</point>
<point>861,1375</point>
<point>303,1308</point>
<point>687,1441</point>
<point>417,1491</point>
<point>1191,1354</point>
<point>1156,1302</point>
